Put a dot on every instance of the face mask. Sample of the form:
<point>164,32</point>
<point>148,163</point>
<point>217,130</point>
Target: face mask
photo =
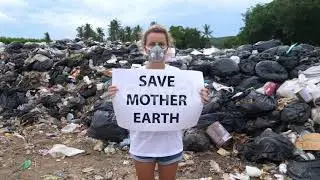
<point>156,53</point>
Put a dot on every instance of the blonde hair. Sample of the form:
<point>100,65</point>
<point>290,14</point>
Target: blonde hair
<point>157,29</point>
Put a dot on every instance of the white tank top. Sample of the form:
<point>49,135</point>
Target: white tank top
<point>156,144</point>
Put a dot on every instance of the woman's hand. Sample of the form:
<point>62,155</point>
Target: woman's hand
<point>204,93</point>
<point>112,90</point>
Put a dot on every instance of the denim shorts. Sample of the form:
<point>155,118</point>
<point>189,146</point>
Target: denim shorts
<point>160,160</point>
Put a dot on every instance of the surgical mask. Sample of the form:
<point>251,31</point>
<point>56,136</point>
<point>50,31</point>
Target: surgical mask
<point>156,53</point>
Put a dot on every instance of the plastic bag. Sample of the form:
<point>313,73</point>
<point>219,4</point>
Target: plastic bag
<point>256,103</point>
<point>271,70</point>
<point>304,170</point>
<point>247,66</point>
<point>104,126</point>
<point>296,112</point>
<point>196,140</point>
<point>224,67</point>
<point>268,146</point>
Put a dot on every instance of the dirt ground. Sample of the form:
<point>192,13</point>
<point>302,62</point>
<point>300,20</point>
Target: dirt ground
<point>31,142</point>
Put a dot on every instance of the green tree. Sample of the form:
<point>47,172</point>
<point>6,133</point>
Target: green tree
<point>114,30</point>
<point>136,34</point>
<point>192,38</point>
<point>288,20</point>
<point>80,32</point>
<point>88,32</point>
<point>122,35</point>
<point>128,33</point>
<point>206,37</point>
<point>178,34</point>
<point>100,34</point>
<point>47,37</point>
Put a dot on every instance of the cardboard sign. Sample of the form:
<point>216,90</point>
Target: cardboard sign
<point>157,100</point>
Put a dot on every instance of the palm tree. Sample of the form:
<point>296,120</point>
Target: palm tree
<point>88,32</point>
<point>207,35</point>
<point>114,30</point>
<point>122,35</point>
<point>47,37</point>
<point>100,34</point>
<point>206,31</point>
<point>137,30</point>
<point>128,33</point>
<point>80,32</point>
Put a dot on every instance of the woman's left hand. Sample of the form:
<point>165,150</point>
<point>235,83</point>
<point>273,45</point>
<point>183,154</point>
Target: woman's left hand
<point>204,93</point>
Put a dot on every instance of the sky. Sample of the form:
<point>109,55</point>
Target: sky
<point>32,18</point>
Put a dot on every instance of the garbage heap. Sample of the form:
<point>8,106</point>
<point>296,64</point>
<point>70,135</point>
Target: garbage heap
<point>268,91</point>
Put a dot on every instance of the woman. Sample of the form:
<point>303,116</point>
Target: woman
<point>163,148</point>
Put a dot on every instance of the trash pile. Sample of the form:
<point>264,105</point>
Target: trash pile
<point>268,91</point>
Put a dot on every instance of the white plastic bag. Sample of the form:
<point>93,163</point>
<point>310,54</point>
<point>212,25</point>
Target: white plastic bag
<point>61,149</point>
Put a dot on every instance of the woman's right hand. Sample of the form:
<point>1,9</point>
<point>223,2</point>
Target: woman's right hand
<point>112,90</point>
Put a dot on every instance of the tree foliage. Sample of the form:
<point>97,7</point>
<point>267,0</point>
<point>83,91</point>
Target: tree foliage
<point>187,37</point>
<point>288,20</point>
<point>114,30</point>
<point>47,38</point>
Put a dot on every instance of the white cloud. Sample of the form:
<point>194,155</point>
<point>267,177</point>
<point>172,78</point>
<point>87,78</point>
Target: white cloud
<point>4,17</point>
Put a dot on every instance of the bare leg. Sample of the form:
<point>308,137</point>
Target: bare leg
<point>145,170</point>
<point>168,172</point>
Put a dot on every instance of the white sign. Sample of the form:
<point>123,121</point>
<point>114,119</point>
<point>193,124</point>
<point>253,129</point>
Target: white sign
<point>157,100</point>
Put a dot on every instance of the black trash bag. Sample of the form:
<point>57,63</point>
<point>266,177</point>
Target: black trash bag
<point>207,119</point>
<point>243,54</point>
<point>75,46</point>
<point>179,64</point>
<point>138,60</point>
<point>307,47</point>
<point>255,103</point>
<point>14,47</point>
<point>88,91</point>
<point>266,56</point>
<point>196,140</point>
<point>200,65</point>
<point>73,103</point>
<point>103,106</point>
<point>17,59</point>
<point>245,47</point>
<point>234,80</point>
<point>289,62</point>
<point>42,66</point>
<point>275,51</point>
<point>258,125</point>
<point>212,106</point>
<point>271,71</point>
<point>12,99</point>
<point>50,101</point>
<point>296,112</point>
<point>112,65</point>
<point>99,56</point>
<point>224,67</point>
<point>269,146</point>
<point>304,170</point>
<point>133,48</point>
<point>31,46</point>
<point>264,45</point>
<point>247,66</point>
<point>252,82</point>
<point>234,122</point>
<point>104,127</point>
